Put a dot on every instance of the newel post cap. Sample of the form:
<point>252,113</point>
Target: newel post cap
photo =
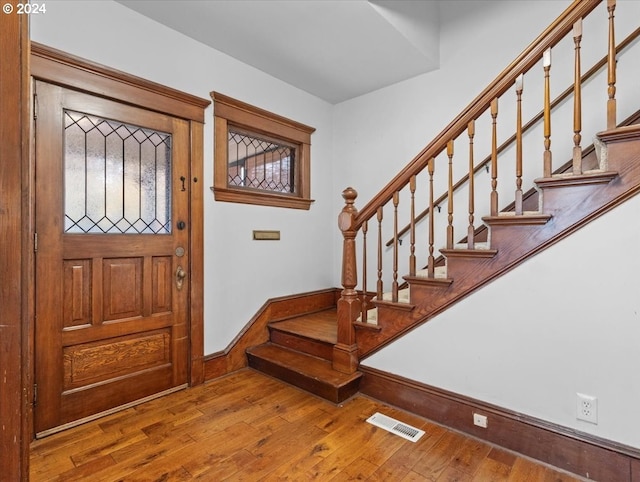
<point>346,216</point>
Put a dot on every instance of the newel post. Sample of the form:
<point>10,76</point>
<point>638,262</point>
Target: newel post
<point>345,352</point>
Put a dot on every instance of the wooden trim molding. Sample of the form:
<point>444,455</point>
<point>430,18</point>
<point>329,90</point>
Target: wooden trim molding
<point>577,452</point>
<point>256,331</point>
<point>196,268</point>
<point>60,68</point>
<point>68,70</point>
<point>230,114</point>
<point>14,256</point>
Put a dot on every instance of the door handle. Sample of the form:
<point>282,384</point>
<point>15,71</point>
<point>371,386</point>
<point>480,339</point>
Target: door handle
<point>180,276</point>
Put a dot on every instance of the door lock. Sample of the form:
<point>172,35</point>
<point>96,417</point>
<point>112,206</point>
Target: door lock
<point>180,276</point>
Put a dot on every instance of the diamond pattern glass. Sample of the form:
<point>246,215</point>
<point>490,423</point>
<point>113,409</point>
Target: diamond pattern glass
<point>117,177</point>
<point>259,163</point>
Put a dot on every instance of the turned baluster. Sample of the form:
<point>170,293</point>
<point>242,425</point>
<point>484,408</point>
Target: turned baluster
<point>431,260</point>
<point>365,301</point>
<point>379,284</point>
<point>546,64</point>
<point>349,306</point>
<point>611,68</point>
<point>450,197</point>
<point>471,131</point>
<point>519,88</point>
<point>394,283</point>
<point>494,157</point>
<point>577,101</point>
<point>412,241</point>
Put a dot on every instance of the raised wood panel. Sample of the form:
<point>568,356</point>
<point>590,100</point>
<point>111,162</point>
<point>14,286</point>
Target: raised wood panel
<point>162,284</point>
<point>122,288</point>
<point>77,306</point>
<point>105,360</point>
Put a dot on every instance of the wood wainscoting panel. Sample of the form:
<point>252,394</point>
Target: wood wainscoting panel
<point>77,306</point>
<point>577,452</point>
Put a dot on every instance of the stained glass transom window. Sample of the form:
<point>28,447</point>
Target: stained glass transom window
<point>258,163</point>
<point>117,177</point>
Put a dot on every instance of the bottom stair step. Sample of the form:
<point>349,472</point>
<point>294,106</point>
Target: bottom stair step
<point>304,371</point>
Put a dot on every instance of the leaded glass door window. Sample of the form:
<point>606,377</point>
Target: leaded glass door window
<point>117,177</point>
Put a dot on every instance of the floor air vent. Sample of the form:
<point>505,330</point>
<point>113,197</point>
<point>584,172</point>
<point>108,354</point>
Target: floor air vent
<point>394,426</point>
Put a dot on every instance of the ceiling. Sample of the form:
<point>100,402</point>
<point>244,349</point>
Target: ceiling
<point>334,49</point>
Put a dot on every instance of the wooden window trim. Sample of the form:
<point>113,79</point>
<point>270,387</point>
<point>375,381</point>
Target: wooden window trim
<point>231,112</point>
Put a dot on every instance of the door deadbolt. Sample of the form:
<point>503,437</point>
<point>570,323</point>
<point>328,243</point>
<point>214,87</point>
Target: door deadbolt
<point>181,225</point>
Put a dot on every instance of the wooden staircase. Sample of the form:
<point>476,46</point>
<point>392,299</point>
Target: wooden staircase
<point>300,351</point>
<point>321,352</point>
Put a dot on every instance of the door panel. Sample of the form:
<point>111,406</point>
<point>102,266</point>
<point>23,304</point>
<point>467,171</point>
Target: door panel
<point>111,292</point>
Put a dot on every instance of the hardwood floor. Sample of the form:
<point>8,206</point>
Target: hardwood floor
<point>247,426</point>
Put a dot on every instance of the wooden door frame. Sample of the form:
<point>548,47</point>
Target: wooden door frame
<point>57,67</point>
<point>16,284</point>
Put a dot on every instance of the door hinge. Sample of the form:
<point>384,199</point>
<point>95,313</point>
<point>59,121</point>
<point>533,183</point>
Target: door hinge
<point>35,106</point>
<point>35,394</point>
<point>35,242</point>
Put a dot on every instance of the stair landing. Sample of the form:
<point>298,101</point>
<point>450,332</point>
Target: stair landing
<point>321,325</point>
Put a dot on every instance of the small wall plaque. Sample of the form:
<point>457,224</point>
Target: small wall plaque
<point>266,235</point>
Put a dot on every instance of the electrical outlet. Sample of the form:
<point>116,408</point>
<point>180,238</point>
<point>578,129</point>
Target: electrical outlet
<point>480,420</point>
<point>587,408</point>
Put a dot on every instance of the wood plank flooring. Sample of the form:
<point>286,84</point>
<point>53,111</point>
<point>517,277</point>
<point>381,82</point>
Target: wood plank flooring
<point>249,427</point>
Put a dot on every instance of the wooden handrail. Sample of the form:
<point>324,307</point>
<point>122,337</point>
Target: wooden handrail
<point>534,120</point>
<point>549,38</point>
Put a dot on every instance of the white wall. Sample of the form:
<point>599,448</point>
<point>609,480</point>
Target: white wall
<point>240,274</point>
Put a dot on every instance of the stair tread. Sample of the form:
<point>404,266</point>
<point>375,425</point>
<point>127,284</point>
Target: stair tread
<point>529,218</point>
<point>321,326</point>
<point>588,177</point>
<point>307,365</point>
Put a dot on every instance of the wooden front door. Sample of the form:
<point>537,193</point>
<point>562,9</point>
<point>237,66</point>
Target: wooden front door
<point>112,233</point>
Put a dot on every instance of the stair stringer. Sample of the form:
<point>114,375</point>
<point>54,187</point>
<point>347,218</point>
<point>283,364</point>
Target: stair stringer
<point>571,206</point>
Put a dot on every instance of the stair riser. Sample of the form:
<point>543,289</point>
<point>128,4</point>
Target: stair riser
<point>309,384</point>
<point>316,348</point>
